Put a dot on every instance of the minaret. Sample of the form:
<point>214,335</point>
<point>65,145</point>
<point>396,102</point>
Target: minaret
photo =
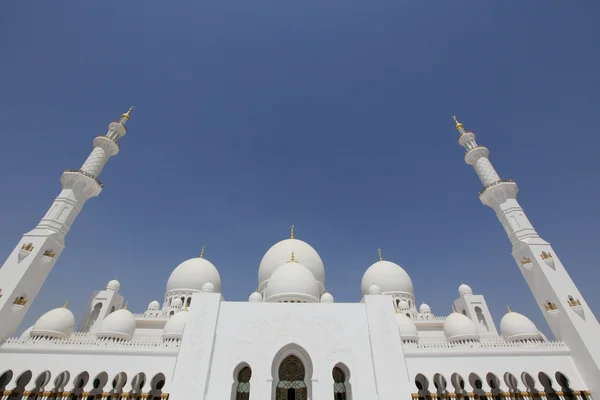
<point>28,266</point>
<point>566,311</point>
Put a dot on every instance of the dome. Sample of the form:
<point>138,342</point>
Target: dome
<point>464,289</point>
<point>113,285</point>
<point>190,275</point>
<point>459,327</point>
<point>407,328</point>
<point>279,254</point>
<point>292,281</point>
<point>118,325</point>
<point>177,303</point>
<point>515,326</point>
<point>208,287</point>
<point>57,323</point>
<point>174,327</point>
<point>424,308</point>
<point>154,305</point>
<point>255,298</point>
<point>403,305</point>
<point>374,289</point>
<point>327,298</point>
<point>26,334</point>
<point>390,277</point>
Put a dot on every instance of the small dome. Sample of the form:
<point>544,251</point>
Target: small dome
<point>407,328</point>
<point>464,289</point>
<point>403,305</point>
<point>154,306</point>
<point>176,303</point>
<point>279,254</point>
<point>113,285</point>
<point>208,287</point>
<point>190,275</point>
<point>174,327</point>
<point>26,334</point>
<point>255,298</point>
<point>374,289</point>
<point>118,325</point>
<point>458,327</point>
<point>515,326</point>
<point>327,298</point>
<point>292,281</point>
<point>390,277</point>
<point>58,323</point>
<point>424,308</point>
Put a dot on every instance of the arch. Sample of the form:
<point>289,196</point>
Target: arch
<point>481,318</point>
<point>440,383</point>
<point>98,384</point>
<point>529,382</point>
<point>241,382</point>
<point>94,316</point>
<point>477,386</point>
<point>61,381</point>
<point>422,384</point>
<point>565,385</point>
<point>511,382</point>
<point>546,382</point>
<point>156,385</point>
<point>20,384</point>
<point>188,302</point>
<point>137,385</point>
<point>118,383</point>
<point>291,366</point>
<point>79,383</point>
<point>341,382</point>
<point>5,379</point>
<point>494,383</point>
<point>40,383</point>
<point>458,383</point>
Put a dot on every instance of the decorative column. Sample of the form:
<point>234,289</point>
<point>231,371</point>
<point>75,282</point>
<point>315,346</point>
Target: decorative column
<point>26,394</point>
<point>125,395</point>
<point>6,394</point>
<point>45,395</point>
<point>561,395</point>
<point>588,394</point>
<point>526,395</point>
<point>27,267</point>
<point>541,395</point>
<point>66,395</point>
<point>164,396</point>
<point>489,395</point>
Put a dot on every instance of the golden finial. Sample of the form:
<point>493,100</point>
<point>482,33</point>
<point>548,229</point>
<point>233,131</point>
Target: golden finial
<point>202,252</point>
<point>66,304</point>
<point>292,232</point>
<point>127,114</point>
<point>293,259</point>
<point>453,309</point>
<point>126,304</point>
<point>459,125</point>
<point>508,308</point>
<point>380,256</point>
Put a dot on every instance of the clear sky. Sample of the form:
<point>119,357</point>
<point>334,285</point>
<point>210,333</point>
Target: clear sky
<point>251,116</point>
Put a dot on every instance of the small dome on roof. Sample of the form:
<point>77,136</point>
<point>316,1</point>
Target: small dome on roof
<point>403,305</point>
<point>390,277</point>
<point>424,308</point>
<point>57,323</point>
<point>190,275</point>
<point>255,298</point>
<point>174,327</point>
<point>177,303</point>
<point>464,289</point>
<point>458,327</point>
<point>113,285</point>
<point>374,289</point>
<point>327,298</point>
<point>515,326</point>
<point>208,287</point>
<point>154,306</point>
<point>118,325</point>
<point>407,328</point>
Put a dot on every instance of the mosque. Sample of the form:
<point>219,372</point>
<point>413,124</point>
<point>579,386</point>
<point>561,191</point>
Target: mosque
<point>291,340</point>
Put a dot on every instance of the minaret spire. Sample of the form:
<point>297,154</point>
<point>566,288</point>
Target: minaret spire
<point>379,253</point>
<point>292,232</point>
<point>27,267</point>
<point>568,315</point>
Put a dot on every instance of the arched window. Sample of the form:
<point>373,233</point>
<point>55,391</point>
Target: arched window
<point>243,385</point>
<point>481,318</point>
<point>291,384</point>
<point>339,384</point>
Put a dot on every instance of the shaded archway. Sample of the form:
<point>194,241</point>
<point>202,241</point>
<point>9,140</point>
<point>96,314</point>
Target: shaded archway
<point>494,383</point>
<point>512,383</point>
<point>78,385</point>
<point>40,383</point>
<point>341,386</point>
<point>440,384</point>
<point>477,386</point>
<point>422,384</point>
<point>5,379</point>
<point>118,383</point>
<point>546,382</point>
<point>156,385</point>
<point>458,383</point>
<point>241,384</point>
<point>137,385</point>
<point>529,383</point>
<point>565,386</point>
<point>98,385</point>
<point>94,316</point>
<point>292,374</point>
<point>22,381</point>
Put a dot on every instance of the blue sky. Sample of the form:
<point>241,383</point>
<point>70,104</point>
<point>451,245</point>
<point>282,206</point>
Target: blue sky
<point>333,116</point>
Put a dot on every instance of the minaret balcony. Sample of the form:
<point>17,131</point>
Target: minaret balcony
<point>494,184</point>
<point>526,263</point>
<point>86,174</point>
<point>471,156</point>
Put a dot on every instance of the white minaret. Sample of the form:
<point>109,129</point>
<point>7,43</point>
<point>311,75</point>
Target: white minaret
<point>27,267</point>
<point>563,306</point>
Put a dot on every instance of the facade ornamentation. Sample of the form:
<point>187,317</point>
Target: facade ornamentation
<point>49,253</point>
<point>549,306</point>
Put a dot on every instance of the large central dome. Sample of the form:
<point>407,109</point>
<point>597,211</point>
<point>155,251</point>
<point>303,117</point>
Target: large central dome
<point>279,254</point>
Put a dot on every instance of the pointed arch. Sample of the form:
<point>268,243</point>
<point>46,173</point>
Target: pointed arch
<point>156,385</point>
<point>422,384</point>
<point>5,379</point>
<point>240,389</point>
<point>342,389</point>
<point>298,366</point>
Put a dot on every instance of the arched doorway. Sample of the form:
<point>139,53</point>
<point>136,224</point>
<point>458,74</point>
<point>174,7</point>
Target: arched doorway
<point>291,384</point>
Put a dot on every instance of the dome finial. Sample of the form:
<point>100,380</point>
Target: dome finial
<point>127,115</point>
<point>453,309</point>
<point>292,232</point>
<point>293,259</point>
<point>508,308</point>
<point>458,125</point>
<point>66,304</point>
<point>126,304</point>
<point>202,252</point>
<point>380,256</point>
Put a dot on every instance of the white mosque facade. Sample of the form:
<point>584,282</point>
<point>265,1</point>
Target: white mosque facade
<point>291,340</point>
